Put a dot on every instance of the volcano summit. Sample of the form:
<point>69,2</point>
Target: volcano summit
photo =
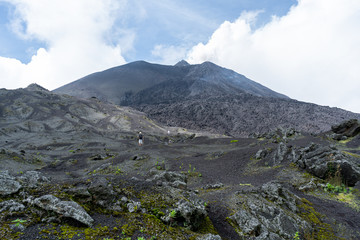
<point>203,97</point>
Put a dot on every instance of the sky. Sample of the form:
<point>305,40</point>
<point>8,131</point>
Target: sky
<point>306,49</point>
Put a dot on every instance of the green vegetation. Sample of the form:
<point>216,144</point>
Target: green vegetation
<point>344,142</point>
<point>245,184</point>
<point>108,171</point>
<point>191,172</point>
<point>351,154</point>
<point>350,199</point>
<point>234,141</point>
<point>37,159</point>
<point>173,214</point>
<point>18,222</point>
<point>118,171</point>
<point>321,230</point>
<point>296,236</point>
<point>337,189</point>
<point>160,166</point>
<point>334,175</point>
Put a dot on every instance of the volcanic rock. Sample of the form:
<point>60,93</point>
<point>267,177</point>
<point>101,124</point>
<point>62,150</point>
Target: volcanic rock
<point>265,215</point>
<point>209,237</point>
<point>11,206</point>
<point>8,184</point>
<point>191,211</point>
<point>66,208</point>
<point>325,161</point>
<point>32,179</point>
<point>348,128</point>
<point>168,178</point>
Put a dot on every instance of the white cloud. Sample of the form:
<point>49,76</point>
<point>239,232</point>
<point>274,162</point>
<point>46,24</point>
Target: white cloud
<point>311,54</point>
<point>75,33</point>
<point>169,54</point>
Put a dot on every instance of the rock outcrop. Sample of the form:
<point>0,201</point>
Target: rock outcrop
<point>278,135</point>
<point>65,208</point>
<point>101,191</point>
<point>168,178</point>
<point>32,179</point>
<point>193,212</point>
<point>190,212</point>
<point>209,237</point>
<point>11,206</point>
<point>8,184</point>
<point>348,128</point>
<point>325,161</point>
<point>275,156</point>
<point>269,213</point>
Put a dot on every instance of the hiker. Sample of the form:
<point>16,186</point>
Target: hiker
<point>141,139</point>
<point>167,138</point>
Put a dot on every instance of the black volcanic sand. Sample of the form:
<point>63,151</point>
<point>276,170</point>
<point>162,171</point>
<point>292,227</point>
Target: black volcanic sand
<point>77,157</point>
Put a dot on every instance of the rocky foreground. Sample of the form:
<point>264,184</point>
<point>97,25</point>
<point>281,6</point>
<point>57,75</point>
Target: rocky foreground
<point>76,173</point>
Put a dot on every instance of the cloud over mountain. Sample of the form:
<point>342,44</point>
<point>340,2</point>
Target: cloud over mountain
<point>311,54</point>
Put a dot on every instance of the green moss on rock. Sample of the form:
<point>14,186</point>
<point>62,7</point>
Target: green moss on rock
<point>321,230</point>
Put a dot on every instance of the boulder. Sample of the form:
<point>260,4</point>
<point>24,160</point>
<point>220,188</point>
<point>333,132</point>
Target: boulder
<point>65,208</point>
<point>8,184</point>
<point>209,236</point>
<point>116,207</point>
<point>190,212</point>
<point>168,178</point>
<point>247,222</point>
<point>309,186</point>
<point>278,135</point>
<point>133,206</point>
<point>277,156</point>
<point>79,192</point>
<point>338,137</point>
<point>324,161</point>
<point>98,157</point>
<point>193,213</point>
<point>101,190</point>
<point>213,186</point>
<point>269,213</point>
<point>261,154</point>
<point>32,179</point>
<point>280,153</point>
<point>11,206</point>
<point>348,128</point>
<point>279,195</point>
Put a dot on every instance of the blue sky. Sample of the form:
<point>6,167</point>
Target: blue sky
<point>306,49</point>
<point>166,23</point>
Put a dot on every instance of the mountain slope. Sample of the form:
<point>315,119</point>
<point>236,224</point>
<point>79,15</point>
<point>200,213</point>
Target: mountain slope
<point>204,96</point>
<point>243,115</point>
<point>37,110</point>
<point>134,82</point>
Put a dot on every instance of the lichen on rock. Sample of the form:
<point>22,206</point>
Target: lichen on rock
<point>8,184</point>
<point>66,208</point>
